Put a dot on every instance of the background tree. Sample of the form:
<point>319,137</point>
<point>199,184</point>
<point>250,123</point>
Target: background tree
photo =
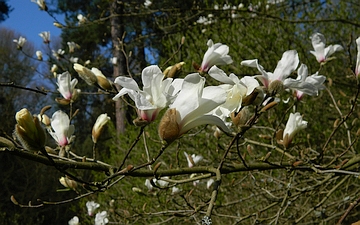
<point>5,9</point>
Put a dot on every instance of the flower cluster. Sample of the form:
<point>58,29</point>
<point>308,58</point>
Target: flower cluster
<point>191,104</point>
<point>101,218</point>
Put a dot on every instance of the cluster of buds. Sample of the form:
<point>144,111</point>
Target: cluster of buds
<point>93,77</point>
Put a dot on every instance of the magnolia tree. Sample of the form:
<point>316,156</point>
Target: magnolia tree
<point>227,153</point>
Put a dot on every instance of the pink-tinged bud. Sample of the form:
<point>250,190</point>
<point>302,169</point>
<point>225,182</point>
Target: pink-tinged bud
<point>168,128</point>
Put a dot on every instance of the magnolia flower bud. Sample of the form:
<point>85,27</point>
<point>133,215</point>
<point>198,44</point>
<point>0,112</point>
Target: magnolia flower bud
<point>99,126</point>
<point>87,75</point>
<point>240,118</point>
<point>276,87</point>
<point>168,128</point>
<point>58,25</point>
<point>4,142</point>
<point>44,119</point>
<point>54,68</point>
<point>174,70</point>
<point>62,101</point>
<point>39,55</point>
<point>69,183</point>
<point>29,131</point>
<point>167,70</point>
<point>104,83</point>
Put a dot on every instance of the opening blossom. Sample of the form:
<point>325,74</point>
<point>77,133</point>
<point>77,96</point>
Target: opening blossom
<point>191,107</point>
<point>81,18</point>
<point>237,89</point>
<point>316,80</point>
<point>217,54</point>
<point>101,218</point>
<point>62,130</point>
<point>45,35</point>
<point>39,55</point>
<point>277,81</point>
<point>91,207</point>
<point>357,67</point>
<point>67,86</point>
<point>193,159</point>
<point>20,42</point>
<point>320,52</point>
<point>157,92</point>
<point>41,4</point>
<point>98,127</point>
<point>74,221</point>
<point>294,124</point>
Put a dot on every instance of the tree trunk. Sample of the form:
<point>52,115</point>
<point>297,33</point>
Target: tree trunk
<point>117,31</point>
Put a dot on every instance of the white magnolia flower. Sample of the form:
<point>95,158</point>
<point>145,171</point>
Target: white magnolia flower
<point>147,3</point>
<point>193,159</point>
<point>74,59</point>
<point>45,35</point>
<point>113,60</point>
<point>321,53</point>
<point>101,218</point>
<point>157,182</point>
<point>72,45</point>
<point>62,130</point>
<point>217,54</point>
<point>157,92</point>
<point>237,89</point>
<point>162,183</point>
<point>357,67</point>
<point>226,7</point>
<point>66,85</point>
<point>54,68</point>
<point>277,81</point>
<point>149,185</point>
<point>74,221</point>
<point>82,19</point>
<point>41,4</point>
<point>191,107</point>
<point>294,124</point>
<point>202,20</point>
<point>175,190</point>
<point>98,127</point>
<point>91,207</point>
<point>58,54</point>
<point>316,80</point>
<point>20,42</point>
<point>209,183</point>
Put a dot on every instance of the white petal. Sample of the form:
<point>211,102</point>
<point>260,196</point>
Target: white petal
<point>187,99</point>
<point>205,119</point>
<point>219,75</point>
<point>147,74</point>
<point>127,82</point>
<point>288,63</point>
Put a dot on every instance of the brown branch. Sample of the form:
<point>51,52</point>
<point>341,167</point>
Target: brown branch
<point>12,84</point>
<point>351,206</point>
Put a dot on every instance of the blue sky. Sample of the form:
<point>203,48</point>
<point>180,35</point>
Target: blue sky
<point>29,21</point>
